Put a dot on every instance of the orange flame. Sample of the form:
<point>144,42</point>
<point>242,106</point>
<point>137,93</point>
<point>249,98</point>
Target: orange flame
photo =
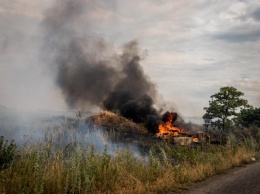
<point>168,129</point>
<point>195,139</point>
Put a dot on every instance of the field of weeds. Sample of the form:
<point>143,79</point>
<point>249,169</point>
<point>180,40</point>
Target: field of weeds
<point>43,169</point>
<point>96,163</point>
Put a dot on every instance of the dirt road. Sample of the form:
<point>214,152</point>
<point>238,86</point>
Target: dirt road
<point>240,180</point>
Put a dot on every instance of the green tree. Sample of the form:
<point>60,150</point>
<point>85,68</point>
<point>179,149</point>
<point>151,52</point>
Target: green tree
<point>224,107</point>
<point>249,117</point>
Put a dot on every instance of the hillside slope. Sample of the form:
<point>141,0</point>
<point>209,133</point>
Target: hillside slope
<point>113,122</point>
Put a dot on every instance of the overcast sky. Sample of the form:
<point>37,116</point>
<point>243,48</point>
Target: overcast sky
<point>194,48</point>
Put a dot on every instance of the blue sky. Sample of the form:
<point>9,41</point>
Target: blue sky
<point>192,48</point>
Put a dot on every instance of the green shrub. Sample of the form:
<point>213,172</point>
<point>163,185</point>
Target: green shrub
<point>7,152</point>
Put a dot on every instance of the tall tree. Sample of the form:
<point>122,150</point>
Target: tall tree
<point>224,107</point>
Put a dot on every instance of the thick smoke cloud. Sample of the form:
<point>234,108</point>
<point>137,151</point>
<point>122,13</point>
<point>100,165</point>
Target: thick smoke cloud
<point>134,93</point>
<point>88,72</point>
<point>83,77</point>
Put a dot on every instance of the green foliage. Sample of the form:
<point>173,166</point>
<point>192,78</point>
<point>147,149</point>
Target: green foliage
<point>251,143</point>
<point>217,136</point>
<point>224,107</point>
<point>7,152</point>
<point>249,117</point>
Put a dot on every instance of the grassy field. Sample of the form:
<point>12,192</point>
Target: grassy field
<point>44,168</point>
<point>77,160</point>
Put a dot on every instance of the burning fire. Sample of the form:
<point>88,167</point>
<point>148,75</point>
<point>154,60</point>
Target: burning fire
<point>199,137</point>
<point>195,139</point>
<point>166,130</point>
<point>166,127</point>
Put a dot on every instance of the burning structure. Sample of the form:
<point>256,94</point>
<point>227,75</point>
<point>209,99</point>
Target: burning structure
<point>166,127</point>
<point>167,130</point>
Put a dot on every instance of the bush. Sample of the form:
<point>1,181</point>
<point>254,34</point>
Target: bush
<point>7,152</point>
<point>217,136</point>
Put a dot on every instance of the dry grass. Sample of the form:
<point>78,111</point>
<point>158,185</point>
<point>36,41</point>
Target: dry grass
<point>41,169</point>
<point>118,124</point>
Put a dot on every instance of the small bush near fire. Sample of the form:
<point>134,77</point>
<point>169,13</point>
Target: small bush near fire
<point>42,169</point>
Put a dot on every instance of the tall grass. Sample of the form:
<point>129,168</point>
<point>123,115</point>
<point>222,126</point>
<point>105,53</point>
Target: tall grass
<point>42,169</point>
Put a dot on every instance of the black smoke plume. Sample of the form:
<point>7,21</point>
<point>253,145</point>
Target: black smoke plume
<point>82,73</point>
<point>169,117</point>
<point>88,72</point>
<point>133,96</point>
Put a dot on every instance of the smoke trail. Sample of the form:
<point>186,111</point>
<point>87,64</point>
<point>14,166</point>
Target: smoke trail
<point>134,94</point>
<point>82,74</point>
<point>88,73</point>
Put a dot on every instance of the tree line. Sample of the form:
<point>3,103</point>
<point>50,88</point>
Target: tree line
<point>227,109</point>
